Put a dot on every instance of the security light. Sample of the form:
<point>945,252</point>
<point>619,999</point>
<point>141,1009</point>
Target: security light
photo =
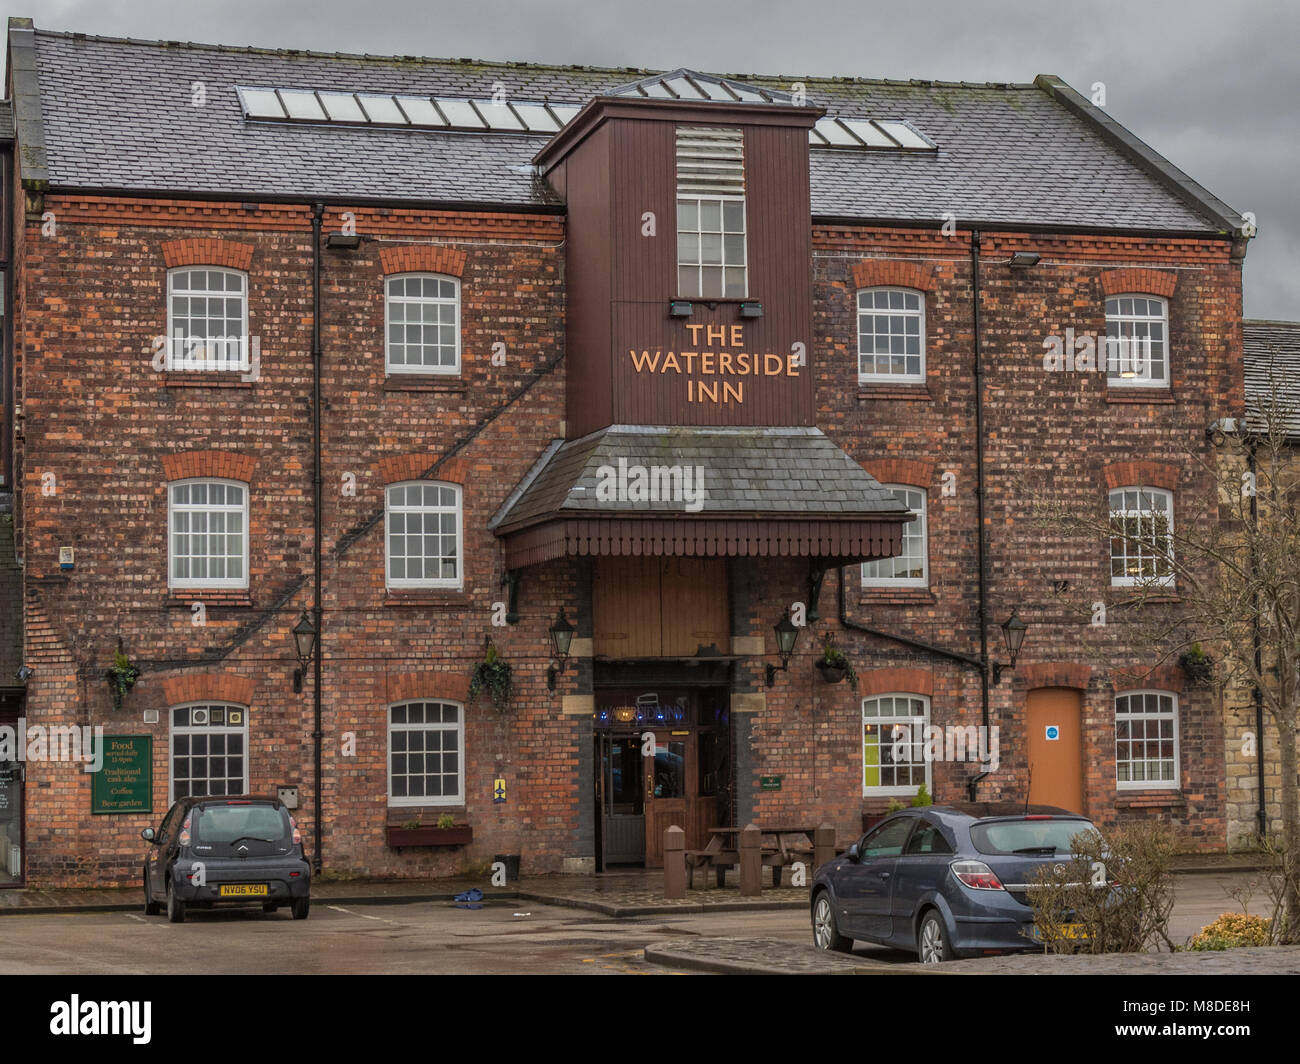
<point>680,308</point>
<point>1022,260</point>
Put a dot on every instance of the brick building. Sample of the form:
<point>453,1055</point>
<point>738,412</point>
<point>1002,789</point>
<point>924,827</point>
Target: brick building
<point>512,293</point>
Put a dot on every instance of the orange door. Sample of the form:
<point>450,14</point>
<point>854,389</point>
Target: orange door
<point>1055,722</point>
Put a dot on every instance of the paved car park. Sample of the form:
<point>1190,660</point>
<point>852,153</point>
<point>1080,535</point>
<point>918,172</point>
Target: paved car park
<point>433,936</point>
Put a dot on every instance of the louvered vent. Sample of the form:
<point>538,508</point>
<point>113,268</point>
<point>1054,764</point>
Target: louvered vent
<point>710,162</point>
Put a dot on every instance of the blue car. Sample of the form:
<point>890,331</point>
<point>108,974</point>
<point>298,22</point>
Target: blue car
<point>946,881</point>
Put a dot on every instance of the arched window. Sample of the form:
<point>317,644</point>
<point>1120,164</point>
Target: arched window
<point>422,323</point>
<point>891,335</point>
<point>207,319</point>
<point>912,567</point>
<point>893,748</point>
<point>1137,353</point>
<point>1146,740</point>
<point>422,534</point>
<point>426,753</point>
<point>1142,536</point>
<point>207,534</point>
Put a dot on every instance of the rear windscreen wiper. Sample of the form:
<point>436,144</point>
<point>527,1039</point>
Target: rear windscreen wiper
<point>1042,851</point>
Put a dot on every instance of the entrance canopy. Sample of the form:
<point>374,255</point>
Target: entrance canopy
<point>699,492</point>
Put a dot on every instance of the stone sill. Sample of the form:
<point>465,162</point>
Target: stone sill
<point>205,380</point>
<point>1161,599</point>
<point>424,384</point>
<point>182,600</point>
<point>867,392</point>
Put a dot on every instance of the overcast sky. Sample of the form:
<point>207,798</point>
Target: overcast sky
<point>1212,86</point>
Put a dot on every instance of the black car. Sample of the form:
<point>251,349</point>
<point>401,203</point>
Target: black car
<point>945,881</point>
<point>227,850</point>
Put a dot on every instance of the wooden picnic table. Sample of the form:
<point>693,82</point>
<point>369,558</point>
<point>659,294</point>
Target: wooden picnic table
<point>723,850</point>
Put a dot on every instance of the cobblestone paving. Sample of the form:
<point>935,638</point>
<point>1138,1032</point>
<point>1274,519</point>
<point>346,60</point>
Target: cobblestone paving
<point>773,956</point>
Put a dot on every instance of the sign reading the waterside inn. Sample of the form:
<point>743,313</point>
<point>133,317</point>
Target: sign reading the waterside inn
<point>718,367</point>
<point>124,783</point>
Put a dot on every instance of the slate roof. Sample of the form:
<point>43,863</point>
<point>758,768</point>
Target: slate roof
<point>766,472</point>
<point>114,114</point>
<point>1271,362</point>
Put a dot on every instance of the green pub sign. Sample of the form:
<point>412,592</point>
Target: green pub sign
<point>124,783</point>
<point>770,783</point>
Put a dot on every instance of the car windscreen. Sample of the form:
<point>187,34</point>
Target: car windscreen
<point>260,828</point>
<point>1034,837</point>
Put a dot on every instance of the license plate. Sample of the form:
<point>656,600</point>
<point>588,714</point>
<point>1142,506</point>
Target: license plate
<point>242,890</point>
<point>1071,931</point>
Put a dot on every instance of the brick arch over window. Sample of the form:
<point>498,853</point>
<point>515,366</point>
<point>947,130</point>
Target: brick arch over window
<point>414,686</point>
<point>207,251</point>
<point>1054,674</point>
<point>1168,677</point>
<point>1147,282</point>
<point>1141,475</point>
<point>884,681</point>
<point>229,465</point>
<point>208,687</point>
<point>422,258</point>
<point>401,467</point>
<point>874,273</point>
<point>912,471</point>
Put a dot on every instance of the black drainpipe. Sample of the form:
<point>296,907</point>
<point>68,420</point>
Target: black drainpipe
<point>317,614</point>
<point>1257,695</point>
<point>981,537</point>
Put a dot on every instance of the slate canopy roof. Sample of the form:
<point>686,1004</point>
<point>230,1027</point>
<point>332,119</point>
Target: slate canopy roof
<point>117,115</point>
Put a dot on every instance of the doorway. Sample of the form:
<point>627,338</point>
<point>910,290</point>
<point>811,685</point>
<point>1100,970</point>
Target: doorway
<point>1054,717</point>
<point>661,757</point>
<point>11,811</point>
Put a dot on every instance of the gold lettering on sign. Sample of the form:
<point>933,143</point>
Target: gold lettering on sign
<point>715,363</point>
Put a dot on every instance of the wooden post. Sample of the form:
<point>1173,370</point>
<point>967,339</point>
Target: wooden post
<point>751,862</point>
<point>674,862</point>
<point>823,846</point>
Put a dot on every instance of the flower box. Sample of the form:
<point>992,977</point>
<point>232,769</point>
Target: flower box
<point>459,835</point>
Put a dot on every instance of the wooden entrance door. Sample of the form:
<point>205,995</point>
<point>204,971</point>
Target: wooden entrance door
<point>1054,716</point>
<point>670,797</point>
<point>620,799</point>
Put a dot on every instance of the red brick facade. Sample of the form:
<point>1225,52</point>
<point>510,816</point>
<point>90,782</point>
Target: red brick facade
<point>115,432</point>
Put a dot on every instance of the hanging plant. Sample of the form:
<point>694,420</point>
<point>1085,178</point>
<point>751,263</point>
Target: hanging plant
<point>1197,665</point>
<point>834,666</point>
<point>494,676</point>
<point>121,678</point>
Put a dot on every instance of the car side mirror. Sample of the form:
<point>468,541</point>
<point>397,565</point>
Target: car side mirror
<point>148,835</point>
<point>852,853</point>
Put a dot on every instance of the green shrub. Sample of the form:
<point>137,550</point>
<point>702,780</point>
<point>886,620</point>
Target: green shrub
<point>1230,931</point>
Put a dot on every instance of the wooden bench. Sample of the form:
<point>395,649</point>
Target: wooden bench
<point>712,856</point>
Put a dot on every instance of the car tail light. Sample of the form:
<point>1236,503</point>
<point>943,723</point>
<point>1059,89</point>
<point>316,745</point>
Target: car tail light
<point>184,839</point>
<point>976,875</point>
<point>1039,816</point>
<point>297,835</point>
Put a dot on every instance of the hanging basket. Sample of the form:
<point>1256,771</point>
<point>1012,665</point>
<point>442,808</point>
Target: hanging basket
<point>831,672</point>
<point>121,677</point>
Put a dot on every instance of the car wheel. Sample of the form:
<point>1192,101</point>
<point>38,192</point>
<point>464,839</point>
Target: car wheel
<point>932,945</point>
<point>175,907</point>
<point>826,935</point>
<point>151,907</point>
<point>301,907</point>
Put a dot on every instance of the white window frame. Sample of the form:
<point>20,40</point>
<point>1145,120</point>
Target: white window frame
<point>205,582</point>
<point>1140,581</point>
<point>421,370</point>
<point>1159,715</point>
<point>886,740</point>
<point>179,348</point>
<point>698,233</point>
<point>408,800</point>
<point>402,583</point>
<point>923,517</point>
<point>1144,381</point>
<point>876,376</point>
<point>204,729</point>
